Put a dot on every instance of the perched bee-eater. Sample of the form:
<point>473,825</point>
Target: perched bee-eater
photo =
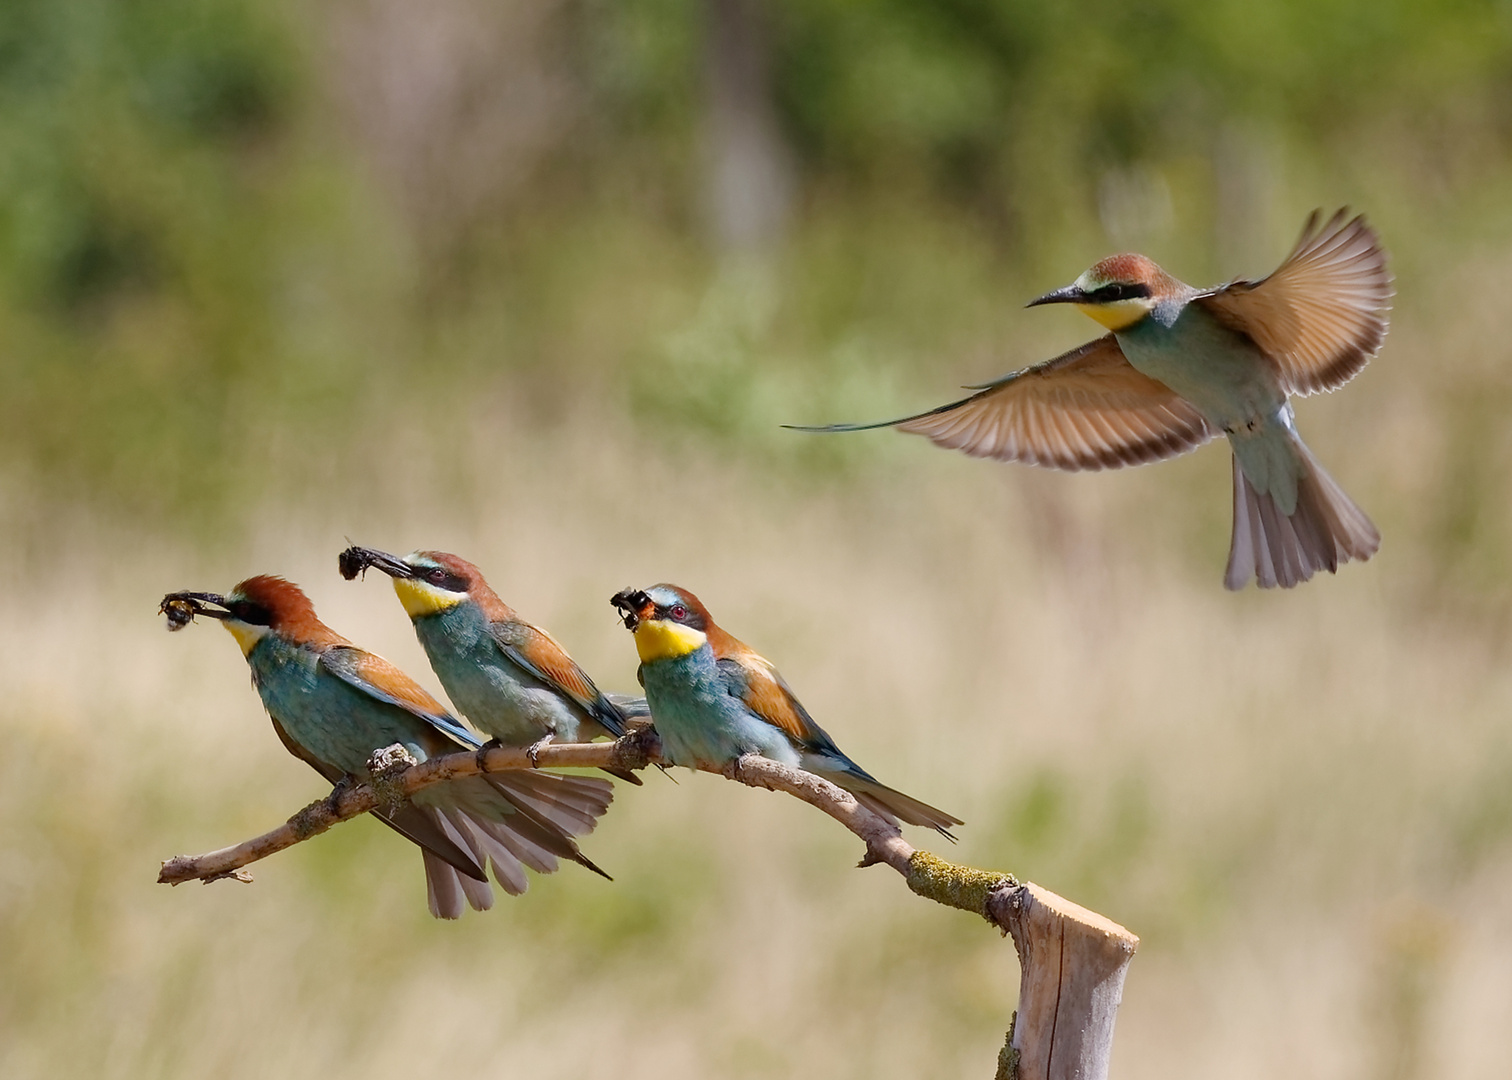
<point>714,698</point>
<point>1183,365</point>
<point>333,704</point>
<point>509,678</point>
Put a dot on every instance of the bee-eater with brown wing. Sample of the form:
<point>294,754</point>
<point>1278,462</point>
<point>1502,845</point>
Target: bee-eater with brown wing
<point>714,698</point>
<point>333,704</point>
<point>1183,365</point>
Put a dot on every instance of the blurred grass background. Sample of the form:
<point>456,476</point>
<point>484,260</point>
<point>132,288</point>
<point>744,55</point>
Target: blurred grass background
<point>536,283</point>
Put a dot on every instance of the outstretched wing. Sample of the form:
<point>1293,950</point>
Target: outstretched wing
<point>1322,315</point>
<point>381,680</point>
<point>539,653</point>
<point>1086,409</point>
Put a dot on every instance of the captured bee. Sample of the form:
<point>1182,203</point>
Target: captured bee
<point>631,603</point>
<point>180,611</point>
<point>180,608</point>
<point>353,561</point>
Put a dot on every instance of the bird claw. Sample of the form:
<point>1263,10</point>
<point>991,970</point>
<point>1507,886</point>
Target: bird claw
<point>333,800</point>
<point>533,751</point>
<point>481,757</point>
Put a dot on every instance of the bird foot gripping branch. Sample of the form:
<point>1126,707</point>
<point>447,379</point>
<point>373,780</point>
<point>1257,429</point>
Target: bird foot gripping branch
<point>387,767</point>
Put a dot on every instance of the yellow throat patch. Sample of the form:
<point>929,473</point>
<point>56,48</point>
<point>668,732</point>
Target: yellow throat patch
<point>1119,315</point>
<point>420,599</point>
<point>657,639</point>
<point>246,635</point>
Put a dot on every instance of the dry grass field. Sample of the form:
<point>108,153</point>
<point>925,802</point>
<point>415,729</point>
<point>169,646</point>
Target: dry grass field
<point>275,276</point>
<point>1299,801</point>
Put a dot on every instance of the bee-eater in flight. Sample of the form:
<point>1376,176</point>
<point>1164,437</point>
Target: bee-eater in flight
<point>333,704</point>
<point>1182,365</point>
<point>509,678</point>
<point>714,698</point>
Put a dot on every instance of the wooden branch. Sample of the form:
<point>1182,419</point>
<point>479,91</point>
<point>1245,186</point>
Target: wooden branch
<point>1072,960</point>
<point>634,751</point>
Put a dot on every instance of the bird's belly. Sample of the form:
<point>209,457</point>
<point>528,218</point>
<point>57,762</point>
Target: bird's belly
<point>1222,373</point>
<point>506,707</point>
<point>700,724</point>
<point>330,719</point>
<point>500,700</point>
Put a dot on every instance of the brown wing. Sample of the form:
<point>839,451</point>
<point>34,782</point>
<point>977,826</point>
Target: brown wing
<point>540,654</point>
<point>754,679</point>
<point>1322,315</point>
<point>383,679</point>
<point>1086,409</point>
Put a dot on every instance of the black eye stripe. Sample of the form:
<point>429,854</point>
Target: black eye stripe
<point>689,617</point>
<point>441,579</point>
<point>248,612</point>
<point>1119,290</point>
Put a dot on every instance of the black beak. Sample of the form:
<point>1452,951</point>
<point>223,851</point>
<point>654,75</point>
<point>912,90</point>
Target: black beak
<point>355,560</point>
<point>630,603</point>
<point>1071,294</point>
<point>182,607</point>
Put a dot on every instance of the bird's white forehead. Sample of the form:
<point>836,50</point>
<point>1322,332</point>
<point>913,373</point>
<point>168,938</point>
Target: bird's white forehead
<point>664,597</point>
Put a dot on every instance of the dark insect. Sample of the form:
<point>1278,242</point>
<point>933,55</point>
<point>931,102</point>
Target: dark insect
<point>630,602</point>
<point>179,610</point>
<point>351,562</point>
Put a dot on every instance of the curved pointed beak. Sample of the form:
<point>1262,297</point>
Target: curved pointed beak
<point>356,560</point>
<point>633,606</point>
<point>1070,294</point>
<point>182,607</point>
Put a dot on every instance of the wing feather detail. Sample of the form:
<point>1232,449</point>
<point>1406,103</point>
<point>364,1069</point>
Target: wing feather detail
<point>1323,314</point>
<point>1086,409</point>
<point>756,681</point>
<point>540,654</point>
<point>382,681</point>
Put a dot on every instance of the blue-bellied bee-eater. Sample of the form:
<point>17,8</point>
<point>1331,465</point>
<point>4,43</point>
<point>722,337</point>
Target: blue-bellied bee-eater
<point>1183,365</point>
<point>509,677</point>
<point>333,705</point>
<point>714,698</point>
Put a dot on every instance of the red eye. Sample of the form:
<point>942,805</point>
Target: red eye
<point>679,612</point>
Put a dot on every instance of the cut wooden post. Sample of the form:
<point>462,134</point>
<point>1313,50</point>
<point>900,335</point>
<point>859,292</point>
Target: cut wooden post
<point>1072,966</point>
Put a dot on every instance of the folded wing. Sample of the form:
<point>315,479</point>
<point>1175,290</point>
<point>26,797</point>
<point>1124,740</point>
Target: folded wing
<point>538,653</point>
<point>1322,315</point>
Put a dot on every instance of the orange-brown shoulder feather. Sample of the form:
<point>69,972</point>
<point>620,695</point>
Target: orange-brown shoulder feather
<point>766,693</point>
<point>548,657</point>
<point>389,680</point>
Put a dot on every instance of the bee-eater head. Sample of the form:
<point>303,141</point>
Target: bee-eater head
<point>428,582</point>
<point>667,621</point>
<point>1118,292</point>
<point>254,608</point>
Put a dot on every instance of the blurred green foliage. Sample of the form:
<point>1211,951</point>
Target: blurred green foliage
<point>202,256</point>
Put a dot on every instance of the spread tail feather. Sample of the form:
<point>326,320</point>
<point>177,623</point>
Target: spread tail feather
<point>508,821</point>
<point>1325,530</point>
